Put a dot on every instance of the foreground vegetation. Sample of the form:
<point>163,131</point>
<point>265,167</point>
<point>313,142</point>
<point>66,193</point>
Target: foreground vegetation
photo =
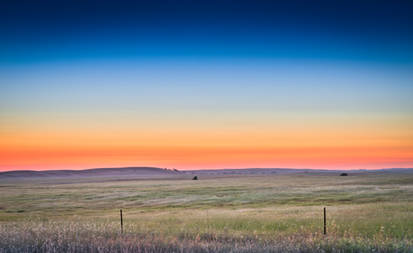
<point>277,213</point>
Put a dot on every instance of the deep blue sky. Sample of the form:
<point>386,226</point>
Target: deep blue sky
<point>373,31</point>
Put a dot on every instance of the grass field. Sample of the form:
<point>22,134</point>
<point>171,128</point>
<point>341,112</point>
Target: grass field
<point>367,212</point>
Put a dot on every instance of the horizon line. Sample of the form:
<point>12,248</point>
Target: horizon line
<point>241,168</point>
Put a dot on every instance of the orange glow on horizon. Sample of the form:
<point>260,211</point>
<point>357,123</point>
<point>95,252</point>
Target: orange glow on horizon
<point>365,145</point>
<point>207,157</point>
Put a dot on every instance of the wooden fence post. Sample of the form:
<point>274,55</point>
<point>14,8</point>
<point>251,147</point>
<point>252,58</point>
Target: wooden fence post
<point>121,221</point>
<point>325,225</point>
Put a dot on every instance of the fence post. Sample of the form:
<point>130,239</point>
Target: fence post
<point>207,221</point>
<point>121,221</point>
<point>325,225</point>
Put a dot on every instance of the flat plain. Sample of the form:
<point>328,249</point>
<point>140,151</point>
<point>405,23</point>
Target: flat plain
<point>366,212</point>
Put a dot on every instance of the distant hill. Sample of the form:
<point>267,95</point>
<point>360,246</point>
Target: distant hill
<point>257,171</point>
<point>396,170</point>
<point>134,172</point>
<point>153,172</point>
<point>249,171</point>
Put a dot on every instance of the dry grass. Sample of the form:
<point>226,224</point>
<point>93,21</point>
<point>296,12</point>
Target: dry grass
<point>279,213</point>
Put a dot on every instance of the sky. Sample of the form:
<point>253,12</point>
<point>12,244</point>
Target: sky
<point>206,84</point>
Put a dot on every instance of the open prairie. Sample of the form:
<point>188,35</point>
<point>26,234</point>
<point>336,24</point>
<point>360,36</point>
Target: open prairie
<point>366,212</point>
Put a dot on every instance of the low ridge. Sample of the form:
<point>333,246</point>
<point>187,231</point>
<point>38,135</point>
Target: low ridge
<point>97,172</point>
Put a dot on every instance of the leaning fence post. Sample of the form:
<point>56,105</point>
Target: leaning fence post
<point>121,221</point>
<point>325,226</point>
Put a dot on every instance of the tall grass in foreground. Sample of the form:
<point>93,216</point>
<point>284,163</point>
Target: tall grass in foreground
<point>105,237</point>
<point>278,213</point>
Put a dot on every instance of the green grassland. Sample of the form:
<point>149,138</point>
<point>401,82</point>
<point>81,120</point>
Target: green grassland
<point>366,212</point>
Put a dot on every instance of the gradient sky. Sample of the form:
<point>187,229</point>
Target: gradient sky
<point>206,84</point>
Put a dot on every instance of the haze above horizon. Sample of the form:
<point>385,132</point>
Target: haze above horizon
<point>208,84</point>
